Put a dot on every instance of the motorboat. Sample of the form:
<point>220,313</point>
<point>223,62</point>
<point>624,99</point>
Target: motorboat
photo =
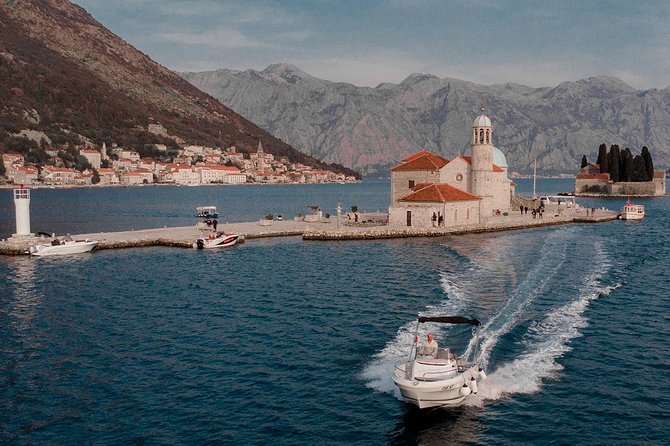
<point>206,212</point>
<point>215,240</point>
<point>63,247</point>
<point>440,378</point>
<point>631,211</point>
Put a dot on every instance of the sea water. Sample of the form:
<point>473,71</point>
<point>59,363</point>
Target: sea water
<point>280,341</point>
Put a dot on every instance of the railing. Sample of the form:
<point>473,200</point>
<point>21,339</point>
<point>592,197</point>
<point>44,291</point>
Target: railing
<point>22,194</point>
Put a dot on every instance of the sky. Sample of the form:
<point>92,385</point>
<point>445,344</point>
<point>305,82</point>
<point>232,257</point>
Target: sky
<point>535,43</point>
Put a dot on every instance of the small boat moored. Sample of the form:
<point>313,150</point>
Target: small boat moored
<point>631,211</point>
<point>206,212</point>
<point>437,378</point>
<point>215,240</point>
<point>63,247</point>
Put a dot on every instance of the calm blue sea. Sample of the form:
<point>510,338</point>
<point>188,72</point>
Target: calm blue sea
<point>280,341</point>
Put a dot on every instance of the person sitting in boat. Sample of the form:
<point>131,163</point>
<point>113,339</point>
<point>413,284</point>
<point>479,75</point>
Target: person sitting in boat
<point>429,346</point>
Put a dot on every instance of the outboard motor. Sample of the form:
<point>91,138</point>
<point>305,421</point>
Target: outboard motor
<point>200,243</point>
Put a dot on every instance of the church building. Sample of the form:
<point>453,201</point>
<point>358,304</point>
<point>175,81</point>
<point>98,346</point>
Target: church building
<point>429,190</point>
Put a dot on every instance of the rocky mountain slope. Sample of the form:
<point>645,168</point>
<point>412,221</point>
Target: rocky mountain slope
<point>66,79</point>
<point>371,128</point>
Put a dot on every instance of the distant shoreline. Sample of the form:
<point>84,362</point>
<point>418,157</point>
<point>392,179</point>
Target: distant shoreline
<point>123,186</point>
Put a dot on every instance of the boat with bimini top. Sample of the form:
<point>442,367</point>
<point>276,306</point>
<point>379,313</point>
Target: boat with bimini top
<point>434,377</point>
<point>206,212</point>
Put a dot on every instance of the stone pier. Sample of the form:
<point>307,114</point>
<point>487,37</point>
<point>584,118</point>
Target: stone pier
<point>183,237</point>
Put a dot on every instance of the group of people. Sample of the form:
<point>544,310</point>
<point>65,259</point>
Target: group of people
<point>592,210</point>
<point>213,223</point>
<point>537,213</point>
<point>438,220</point>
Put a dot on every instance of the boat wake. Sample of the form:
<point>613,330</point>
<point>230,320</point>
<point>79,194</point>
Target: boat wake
<point>542,325</point>
<point>545,341</point>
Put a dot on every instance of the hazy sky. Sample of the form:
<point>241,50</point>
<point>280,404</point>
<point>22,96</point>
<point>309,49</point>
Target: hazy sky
<point>536,43</point>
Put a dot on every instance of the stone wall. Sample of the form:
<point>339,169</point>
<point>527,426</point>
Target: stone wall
<point>637,188</point>
<point>456,213</point>
<point>400,181</point>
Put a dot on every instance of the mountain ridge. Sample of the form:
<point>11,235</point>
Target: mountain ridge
<point>367,128</point>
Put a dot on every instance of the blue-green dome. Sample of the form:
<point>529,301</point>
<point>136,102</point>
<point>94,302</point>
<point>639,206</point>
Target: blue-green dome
<point>499,158</point>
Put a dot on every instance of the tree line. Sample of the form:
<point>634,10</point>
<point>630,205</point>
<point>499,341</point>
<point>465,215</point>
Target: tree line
<point>622,165</point>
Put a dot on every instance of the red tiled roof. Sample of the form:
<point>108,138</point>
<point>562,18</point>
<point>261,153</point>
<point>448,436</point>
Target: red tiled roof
<point>438,192</point>
<point>422,160</point>
<point>593,176</point>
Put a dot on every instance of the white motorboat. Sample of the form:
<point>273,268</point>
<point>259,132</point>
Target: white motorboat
<point>631,211</point>
<point>438,379</point>
<point>216,240</point>
<point>63,247</point>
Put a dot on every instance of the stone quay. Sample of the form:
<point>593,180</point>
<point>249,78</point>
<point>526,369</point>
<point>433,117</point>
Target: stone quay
<point>325,229</point>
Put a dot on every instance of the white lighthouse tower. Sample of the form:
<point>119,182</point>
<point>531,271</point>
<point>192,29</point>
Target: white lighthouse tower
<point>481,178</point>
<point>22,208</point>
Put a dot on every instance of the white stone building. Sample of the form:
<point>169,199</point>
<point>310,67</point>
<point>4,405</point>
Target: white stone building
<point>429,190</point>
<point>93,157</point>
<point>22,174</point>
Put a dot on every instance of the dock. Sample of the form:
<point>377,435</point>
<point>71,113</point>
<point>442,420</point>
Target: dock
<point>183,237</point>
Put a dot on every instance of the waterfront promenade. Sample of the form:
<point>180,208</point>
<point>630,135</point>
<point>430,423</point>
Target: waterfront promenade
<point>321,230</point>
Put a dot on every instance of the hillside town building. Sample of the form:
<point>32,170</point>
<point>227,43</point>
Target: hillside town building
<point>429,190</point>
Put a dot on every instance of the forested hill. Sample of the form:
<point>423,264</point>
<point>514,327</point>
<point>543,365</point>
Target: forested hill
<point>66,79</point>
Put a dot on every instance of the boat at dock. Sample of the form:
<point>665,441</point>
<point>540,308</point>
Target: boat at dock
<point>631,211</point>
<point>206,212</point>
<point>62,247</point>
<point>216,240</point>
<point>437,378</point>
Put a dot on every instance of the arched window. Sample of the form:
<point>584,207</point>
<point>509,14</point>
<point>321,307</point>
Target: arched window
<point>488,136</point>
<point>481,136</point>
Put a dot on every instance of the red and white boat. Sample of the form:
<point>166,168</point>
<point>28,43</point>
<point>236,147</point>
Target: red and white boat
<point>631,211</point>
<point>216,240</point>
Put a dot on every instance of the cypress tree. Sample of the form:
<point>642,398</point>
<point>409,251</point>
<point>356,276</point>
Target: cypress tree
<point>602,158</point>
<point>639,170</point>
<point>614,163</point>
<point>584,161</point>
<point>648,163</point>
<point>627,165</point>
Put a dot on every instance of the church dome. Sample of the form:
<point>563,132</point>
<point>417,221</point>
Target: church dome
<point>482,121</point>
<point>499,158</point>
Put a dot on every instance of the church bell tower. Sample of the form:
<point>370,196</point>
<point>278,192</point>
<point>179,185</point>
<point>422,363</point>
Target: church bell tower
<point>481,147</point>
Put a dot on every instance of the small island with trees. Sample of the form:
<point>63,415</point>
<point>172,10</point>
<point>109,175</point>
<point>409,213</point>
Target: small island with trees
<point>620,173</point>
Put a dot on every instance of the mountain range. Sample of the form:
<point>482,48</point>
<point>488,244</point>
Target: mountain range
<point>67,81</point>
<point>369,129</point>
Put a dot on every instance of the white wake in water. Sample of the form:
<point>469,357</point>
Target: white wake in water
<point>545,341</point>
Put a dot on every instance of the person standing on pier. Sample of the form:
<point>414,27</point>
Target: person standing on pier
<point>215,223</point>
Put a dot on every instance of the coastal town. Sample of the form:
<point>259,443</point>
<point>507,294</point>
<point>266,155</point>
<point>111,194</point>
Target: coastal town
<point>191,165</point>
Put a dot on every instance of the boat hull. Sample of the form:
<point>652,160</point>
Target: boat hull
<point>436,393</point>
<point>76,247</point>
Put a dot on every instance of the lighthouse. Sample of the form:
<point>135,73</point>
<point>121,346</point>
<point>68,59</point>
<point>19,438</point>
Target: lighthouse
<point>22,208</point>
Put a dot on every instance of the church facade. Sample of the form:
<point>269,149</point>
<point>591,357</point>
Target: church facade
<point>429,190</point>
